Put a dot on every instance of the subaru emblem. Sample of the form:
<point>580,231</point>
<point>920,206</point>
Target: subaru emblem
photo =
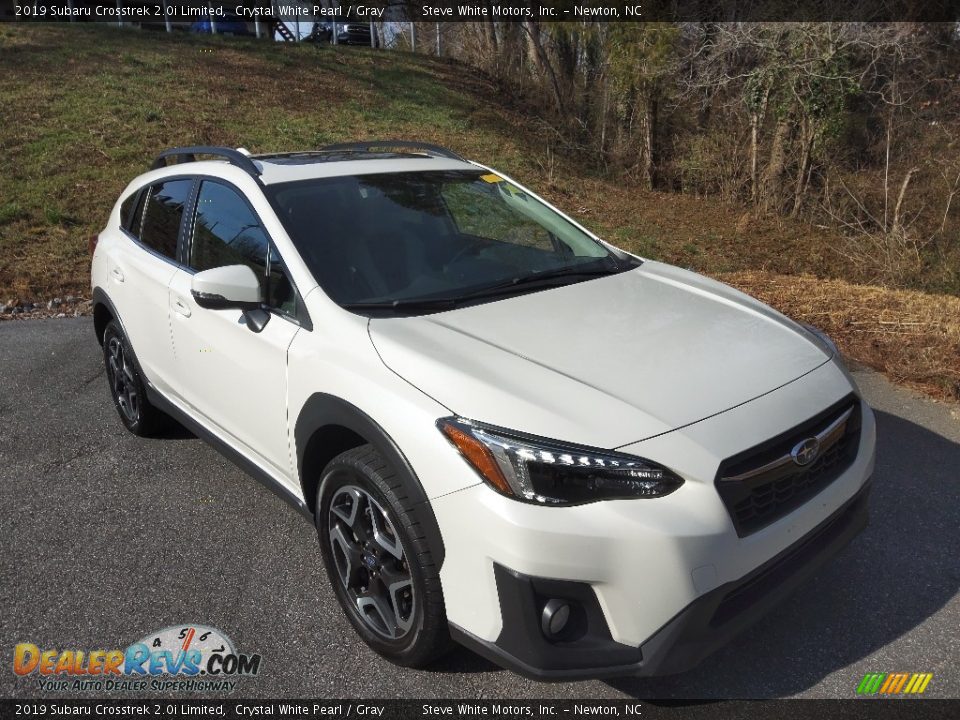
<point>806,452</point>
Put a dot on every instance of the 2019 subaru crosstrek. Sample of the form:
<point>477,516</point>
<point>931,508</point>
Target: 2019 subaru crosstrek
<point>508,432</point>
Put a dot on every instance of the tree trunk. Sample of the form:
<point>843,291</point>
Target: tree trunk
<point>754,135</point>
<point>538,57</point>
<point>951,194</point>
<point>886,171</point>
<point>649,139</point>
<point>807,136</point>
<point>771,191</point>
<point>489,31</point>
<point>756,120</point>
<point>896,229</point>
<point>604,111</point>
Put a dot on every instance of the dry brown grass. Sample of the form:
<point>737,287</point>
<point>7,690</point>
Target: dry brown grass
<point>912,337</point>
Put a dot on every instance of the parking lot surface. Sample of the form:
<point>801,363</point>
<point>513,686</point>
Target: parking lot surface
<point>107,537</point>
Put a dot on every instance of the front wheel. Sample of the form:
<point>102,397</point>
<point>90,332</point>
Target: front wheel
<point>379,562</point>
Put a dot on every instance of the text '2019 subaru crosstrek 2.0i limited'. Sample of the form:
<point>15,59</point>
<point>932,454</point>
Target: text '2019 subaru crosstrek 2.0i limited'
<point>509,433</point>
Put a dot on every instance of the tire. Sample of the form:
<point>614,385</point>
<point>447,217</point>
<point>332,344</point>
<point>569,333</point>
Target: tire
<point>127,387</point>
<point>378,560</point>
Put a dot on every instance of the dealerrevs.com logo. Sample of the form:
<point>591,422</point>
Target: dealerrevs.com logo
<point>181,657</point>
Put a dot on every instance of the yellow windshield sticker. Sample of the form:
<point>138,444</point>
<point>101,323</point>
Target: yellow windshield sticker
<point>491,178</point>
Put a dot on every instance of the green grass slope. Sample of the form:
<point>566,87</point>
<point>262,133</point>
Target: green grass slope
<point>84,109</point>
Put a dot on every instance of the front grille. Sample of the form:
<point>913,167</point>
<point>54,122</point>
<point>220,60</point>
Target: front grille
<point>747,594</point>
<point>764,483</point>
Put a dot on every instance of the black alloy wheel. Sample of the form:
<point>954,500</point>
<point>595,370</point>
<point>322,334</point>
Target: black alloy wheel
<point>127,387</point>
<point>378,559</point>
<point>370,562</point>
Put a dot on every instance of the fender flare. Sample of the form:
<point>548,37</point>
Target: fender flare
<point>321,410</point>
<point>100,297</point>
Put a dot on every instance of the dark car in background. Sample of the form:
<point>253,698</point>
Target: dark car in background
<point>347,33</point>
<point>228,25</point>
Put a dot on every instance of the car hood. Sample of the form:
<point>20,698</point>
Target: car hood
<point>606,362</point>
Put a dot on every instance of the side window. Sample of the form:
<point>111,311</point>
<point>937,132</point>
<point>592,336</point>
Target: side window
<point>126,208</point>
<point>226,232</point>
<point>162,213</point>
<point>135,223</point>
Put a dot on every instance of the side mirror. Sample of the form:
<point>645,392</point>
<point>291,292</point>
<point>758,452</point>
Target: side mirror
<point>224,288</point>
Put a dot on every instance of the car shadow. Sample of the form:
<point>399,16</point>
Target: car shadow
<point>173,430</point>
<point>893,577</point>
<point>462,660</point>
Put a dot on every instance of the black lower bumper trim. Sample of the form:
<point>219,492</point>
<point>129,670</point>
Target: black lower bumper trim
<point>705,625</point>
<point>522,645</point>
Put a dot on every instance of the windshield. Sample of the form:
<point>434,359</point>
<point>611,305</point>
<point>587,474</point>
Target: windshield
<point>400,239</point>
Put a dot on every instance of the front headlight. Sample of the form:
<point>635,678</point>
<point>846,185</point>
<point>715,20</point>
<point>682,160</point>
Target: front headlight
<point>551,473</point>
<point>825,341</point>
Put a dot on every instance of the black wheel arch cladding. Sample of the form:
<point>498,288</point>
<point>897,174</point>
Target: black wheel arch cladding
<point>103,312</point>
<point>327,416</point>
<point>107,312</point>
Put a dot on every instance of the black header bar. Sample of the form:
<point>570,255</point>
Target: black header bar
<point>584,11</point>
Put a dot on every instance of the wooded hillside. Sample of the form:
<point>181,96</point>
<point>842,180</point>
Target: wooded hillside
<point>851,126</point>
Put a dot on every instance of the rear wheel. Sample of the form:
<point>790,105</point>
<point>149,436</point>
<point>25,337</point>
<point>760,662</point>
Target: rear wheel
<point>378,560</point>
<point>127,386</point>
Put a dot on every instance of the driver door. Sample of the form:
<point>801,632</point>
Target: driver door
<point>234,378</point>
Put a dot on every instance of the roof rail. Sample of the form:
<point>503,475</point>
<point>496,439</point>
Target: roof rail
<point>234,157</point>
<point>293,153</point>
<point>373,145</point>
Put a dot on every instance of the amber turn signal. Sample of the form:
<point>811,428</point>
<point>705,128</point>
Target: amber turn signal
<point>478,456</point>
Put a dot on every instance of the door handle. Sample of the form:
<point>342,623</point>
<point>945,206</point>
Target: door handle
<point>181,307</point>
<point>117,274</point>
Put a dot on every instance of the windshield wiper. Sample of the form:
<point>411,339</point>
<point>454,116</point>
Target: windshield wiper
<point>401,305</point>
<point>547,277</point>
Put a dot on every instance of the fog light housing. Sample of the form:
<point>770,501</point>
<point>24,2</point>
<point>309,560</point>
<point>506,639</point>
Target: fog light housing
<point>554,618</point>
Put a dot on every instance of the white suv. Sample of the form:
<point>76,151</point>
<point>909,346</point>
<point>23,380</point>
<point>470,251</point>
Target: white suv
<point>576,462</point>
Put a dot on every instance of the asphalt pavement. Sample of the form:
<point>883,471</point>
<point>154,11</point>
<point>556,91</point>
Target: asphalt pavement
<point>106,537</point>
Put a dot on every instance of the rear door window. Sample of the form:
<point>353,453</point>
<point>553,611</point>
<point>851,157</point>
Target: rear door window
<point>135,221</point>
<point>126,210</point>
<point>163,207</point>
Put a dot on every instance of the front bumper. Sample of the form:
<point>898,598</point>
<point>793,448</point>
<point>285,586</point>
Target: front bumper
<point>705,625</point>
<point>659,571</point>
